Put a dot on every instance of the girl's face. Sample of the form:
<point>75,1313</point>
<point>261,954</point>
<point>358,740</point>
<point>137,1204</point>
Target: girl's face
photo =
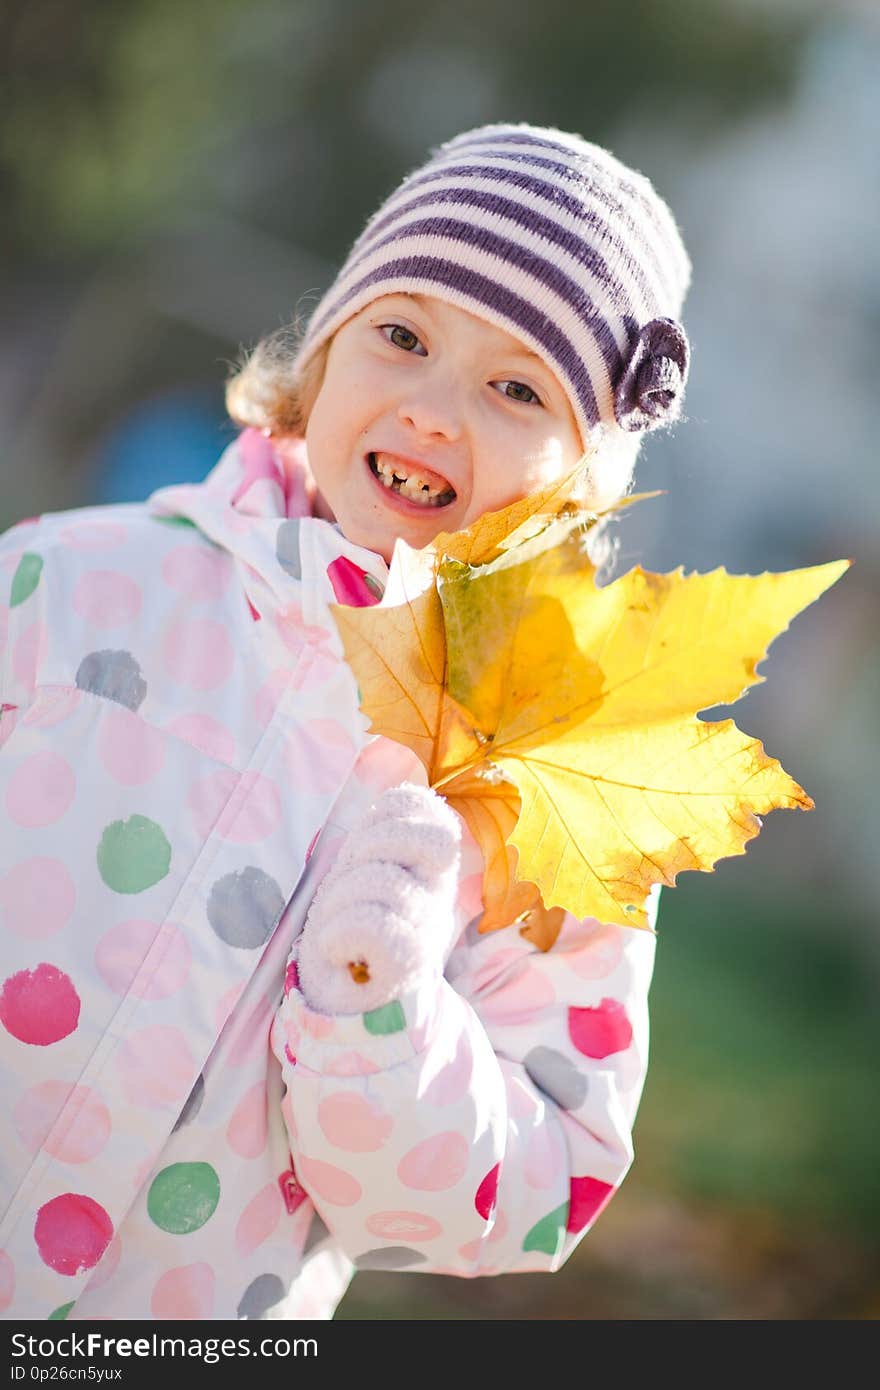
<point>427,417</point>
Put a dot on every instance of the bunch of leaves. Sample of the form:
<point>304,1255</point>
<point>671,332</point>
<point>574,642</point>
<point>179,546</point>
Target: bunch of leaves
<point>559,717</point>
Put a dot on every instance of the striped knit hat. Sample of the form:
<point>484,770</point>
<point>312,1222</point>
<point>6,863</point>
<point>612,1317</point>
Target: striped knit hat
<point>551,239</point>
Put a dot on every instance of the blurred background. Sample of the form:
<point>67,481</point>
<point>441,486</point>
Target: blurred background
<point>179,176</point>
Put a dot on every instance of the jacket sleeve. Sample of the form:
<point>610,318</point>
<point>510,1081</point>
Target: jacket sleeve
<point>21,565</point>
<point>480,1123</point>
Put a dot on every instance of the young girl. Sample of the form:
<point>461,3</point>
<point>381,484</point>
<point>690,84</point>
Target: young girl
<point>252,1038</point>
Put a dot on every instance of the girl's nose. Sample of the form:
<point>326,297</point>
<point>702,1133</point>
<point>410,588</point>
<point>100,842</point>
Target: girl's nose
<point>432,412</point>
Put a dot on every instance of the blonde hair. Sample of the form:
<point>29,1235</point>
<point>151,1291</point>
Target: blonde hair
<point>268,390</point>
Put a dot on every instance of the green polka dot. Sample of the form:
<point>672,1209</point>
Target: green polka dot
<point>174,520</point>
<point>133,855</point>
<point>389,1019</point>
<point>60,1313</point>
<point>548,1233</point>
<point>26,578</point>
<point>183,1197</point>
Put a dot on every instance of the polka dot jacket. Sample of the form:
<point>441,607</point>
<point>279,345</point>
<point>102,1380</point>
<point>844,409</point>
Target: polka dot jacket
<point>181,755</point>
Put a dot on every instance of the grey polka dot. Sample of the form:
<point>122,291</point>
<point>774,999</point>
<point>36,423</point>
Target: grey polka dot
<point>115,676</point>
<point>243,907</point>
<point>260,1295</point>
<point>317,1232</point>
<point>557,1077</point>
<point>391,1257</point>
<point>192,1104</point>
<point>472,931</point>
<point>287,548</point>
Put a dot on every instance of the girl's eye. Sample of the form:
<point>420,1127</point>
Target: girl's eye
<point>410,339</point>
<point>521,386</point>
<point>406,332</point>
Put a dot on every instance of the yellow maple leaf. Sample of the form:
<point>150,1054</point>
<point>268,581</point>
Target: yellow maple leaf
<point>559,718</point>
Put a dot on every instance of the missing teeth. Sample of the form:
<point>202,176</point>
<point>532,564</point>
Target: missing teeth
<point>412,487</point>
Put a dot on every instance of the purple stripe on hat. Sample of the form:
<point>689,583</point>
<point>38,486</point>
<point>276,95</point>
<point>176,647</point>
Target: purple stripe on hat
<point>544,272</point>
<point>490,294</point>
<point>570,152</point>
<point>530,220</point>
<point>553,194</point>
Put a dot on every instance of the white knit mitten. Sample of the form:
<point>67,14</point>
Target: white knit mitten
<point>383,917</point>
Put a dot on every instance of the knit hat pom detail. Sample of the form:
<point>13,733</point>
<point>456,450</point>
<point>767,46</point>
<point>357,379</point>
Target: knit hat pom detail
<point>650,391</point>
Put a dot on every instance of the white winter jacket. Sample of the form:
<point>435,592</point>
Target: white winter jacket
<point>181,755</point>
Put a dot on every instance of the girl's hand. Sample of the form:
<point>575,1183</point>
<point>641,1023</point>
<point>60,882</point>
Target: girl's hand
<point>383,917</point>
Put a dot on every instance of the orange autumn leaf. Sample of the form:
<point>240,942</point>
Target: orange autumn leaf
<point>559,718</point>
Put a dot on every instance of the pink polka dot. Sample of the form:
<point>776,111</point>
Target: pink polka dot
<point>319,754</point>
<point>156,1066</point>
<point>470,895</point>
<point>488,970</point>
<point>322,667</point>
<point>107,1266</point>
<point>383,763</point>
<point>201,574</point>
<point>106,598</point>
<point>247,1130</point>
<point>403,1226</point>
<point>186,1292</point>
<point>251,1033</point>
<point>599,1032</point>
<point>258,1220</point>
<point>4,625</point>
<point>518,999</point>
<point>205,732</point>
<point>351,1064</point>
<point>122,950</point>
<point>198,653</point>
<point>545,1157</point>
<point>352,1122</point>
<point>28,653</point>
<point>52,707</point>
<point>227,1003</point>
<point>476,1249</point>
<point>253,816</point>
<point>592,951</point>
<point>333,1184</point>
<point>40,790</point>
<point>521,1101</point>
<point>7,1280</point>
<point>72,1232</point>
<point>39,1006</point>
<point>85,1132</point>
<point>94,535</point>
<point>37,898</point>
<point>269,693</point>
<point>316,1025</point>
<point>453,1076</point>
<point>131,750</point>
<point>435,1164</point>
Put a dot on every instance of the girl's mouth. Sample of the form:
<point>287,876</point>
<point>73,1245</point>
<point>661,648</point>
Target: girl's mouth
<point>391,473</point>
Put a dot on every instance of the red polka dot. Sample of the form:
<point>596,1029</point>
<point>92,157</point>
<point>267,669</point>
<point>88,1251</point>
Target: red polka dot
<point>106,598</point>
<point>487,1192</point>
<point>39,1006</point>
<point>599,1032</point>
<point>72,1232</point>
<point>40,790</point>
<point>588,1197</point>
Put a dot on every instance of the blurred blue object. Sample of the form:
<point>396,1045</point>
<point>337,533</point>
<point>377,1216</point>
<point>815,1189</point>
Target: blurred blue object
<point>173,437</point>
